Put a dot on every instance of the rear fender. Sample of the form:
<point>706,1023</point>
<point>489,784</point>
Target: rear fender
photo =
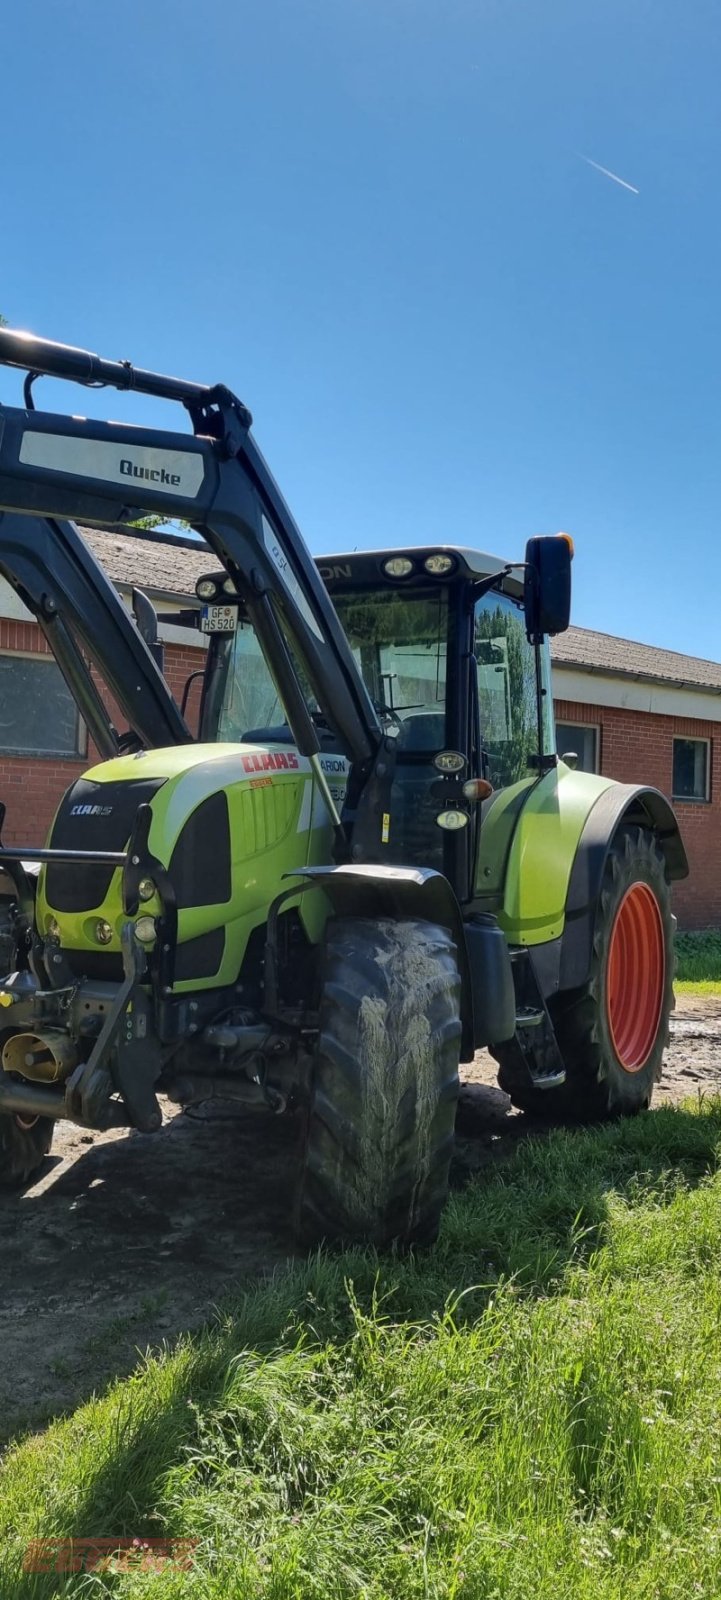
<point>409,893</point>
<point>622,803</point>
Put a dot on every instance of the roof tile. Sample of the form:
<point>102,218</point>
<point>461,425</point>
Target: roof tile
<point>587,650</point>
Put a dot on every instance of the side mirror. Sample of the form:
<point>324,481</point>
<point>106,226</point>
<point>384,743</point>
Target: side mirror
<point>146,620</point>
<point>547,586</point>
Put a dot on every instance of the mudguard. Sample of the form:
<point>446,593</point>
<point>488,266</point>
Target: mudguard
<point>622,802</point>
<point>413,892</point>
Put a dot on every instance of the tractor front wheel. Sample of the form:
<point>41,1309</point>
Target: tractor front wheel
<point>612,1032</point>
<point>379,1132</point>
<point>24,1144</point>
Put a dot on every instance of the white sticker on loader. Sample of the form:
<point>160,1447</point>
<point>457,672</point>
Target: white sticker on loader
<point>280,560</point>
<point>176,472</point>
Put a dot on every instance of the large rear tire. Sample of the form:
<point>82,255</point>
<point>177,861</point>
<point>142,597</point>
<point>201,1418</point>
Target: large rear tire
<point>24,1144</point>
<point>612,1032</point>
<point>379,1135</point>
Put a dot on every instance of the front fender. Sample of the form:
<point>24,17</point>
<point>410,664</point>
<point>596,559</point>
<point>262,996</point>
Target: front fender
<point>487,1002</point>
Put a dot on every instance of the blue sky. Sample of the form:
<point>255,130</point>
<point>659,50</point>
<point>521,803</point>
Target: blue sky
<point>371,218</point>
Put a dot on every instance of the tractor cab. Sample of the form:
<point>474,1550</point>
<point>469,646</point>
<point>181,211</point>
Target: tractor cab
<point>457,670</point>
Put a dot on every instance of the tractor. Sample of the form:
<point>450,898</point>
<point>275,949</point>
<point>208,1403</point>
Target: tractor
<point>370,864</point>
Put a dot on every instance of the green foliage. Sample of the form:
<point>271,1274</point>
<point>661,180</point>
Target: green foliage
<point>389,617</point>
<point>532,1408</point>
<point>698,957</point>
<point>170,525</point>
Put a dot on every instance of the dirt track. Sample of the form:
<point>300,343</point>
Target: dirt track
<point>125,1240</point>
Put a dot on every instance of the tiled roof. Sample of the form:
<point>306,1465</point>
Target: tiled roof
<point>162,567</point>
<point>167,568</point>
<point>588,651</point>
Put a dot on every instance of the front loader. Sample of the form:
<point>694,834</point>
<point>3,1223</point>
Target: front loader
<point>371,863</point>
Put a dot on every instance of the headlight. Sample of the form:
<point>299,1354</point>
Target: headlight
<point>145,930</point>
<point>449,761</point>
<point>439,565</point>
<point>206,588</point>
<point>398,567</point>
<point>146,889</point>
<point>452,820</point>
<point>229,587</point>
<point>103,932</point>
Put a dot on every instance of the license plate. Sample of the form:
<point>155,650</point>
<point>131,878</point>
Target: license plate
<point>219,619</point>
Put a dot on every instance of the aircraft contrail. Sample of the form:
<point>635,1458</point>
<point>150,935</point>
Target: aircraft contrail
<point>613,175</point>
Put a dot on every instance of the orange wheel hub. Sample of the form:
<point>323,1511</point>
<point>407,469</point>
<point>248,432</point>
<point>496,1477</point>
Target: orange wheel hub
<point>635,976</point>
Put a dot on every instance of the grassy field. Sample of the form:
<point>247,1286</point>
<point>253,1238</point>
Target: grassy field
<point>699,963</point>
<point>531,1409</point>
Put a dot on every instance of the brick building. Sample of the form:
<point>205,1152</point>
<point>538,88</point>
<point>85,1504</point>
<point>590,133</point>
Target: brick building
<point>629,710</point>
<point>642,714</point>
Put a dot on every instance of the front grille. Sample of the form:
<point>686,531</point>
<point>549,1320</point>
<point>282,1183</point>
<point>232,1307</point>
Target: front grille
<point>92,816</point>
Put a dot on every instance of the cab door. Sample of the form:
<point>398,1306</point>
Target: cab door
<point>517,749</point>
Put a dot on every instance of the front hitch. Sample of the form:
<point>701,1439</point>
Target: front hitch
<point>125,1034</point>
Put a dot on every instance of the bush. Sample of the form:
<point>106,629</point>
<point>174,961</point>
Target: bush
<point>699,957</point>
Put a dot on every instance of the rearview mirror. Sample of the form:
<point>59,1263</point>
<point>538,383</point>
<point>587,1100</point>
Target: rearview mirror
<point>547,586</point>
<point>146,619</point>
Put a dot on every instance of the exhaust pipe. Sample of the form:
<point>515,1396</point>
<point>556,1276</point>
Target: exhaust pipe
<point>46,1057</point>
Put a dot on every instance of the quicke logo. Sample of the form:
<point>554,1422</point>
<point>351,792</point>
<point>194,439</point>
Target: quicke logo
<point>130,469</point>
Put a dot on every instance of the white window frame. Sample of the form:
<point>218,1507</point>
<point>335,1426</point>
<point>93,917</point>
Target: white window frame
<point>692,799</point>
<point>584,727</point>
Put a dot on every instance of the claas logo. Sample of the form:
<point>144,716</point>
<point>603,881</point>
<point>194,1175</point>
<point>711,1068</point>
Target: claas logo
<point>271,761</point>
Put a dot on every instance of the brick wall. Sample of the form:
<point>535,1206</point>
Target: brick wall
<point>31,786</point>
<point>637,748</point>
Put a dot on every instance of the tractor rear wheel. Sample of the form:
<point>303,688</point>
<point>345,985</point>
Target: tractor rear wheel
<point>612,1032</point>
<point>24,1144</point>
<point>379,1133</point>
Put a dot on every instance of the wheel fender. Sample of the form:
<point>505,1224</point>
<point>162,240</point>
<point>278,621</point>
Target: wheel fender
<point>406,892</point>
<point>623,802</point>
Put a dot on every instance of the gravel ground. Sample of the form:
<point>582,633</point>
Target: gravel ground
<point>125,1240</point>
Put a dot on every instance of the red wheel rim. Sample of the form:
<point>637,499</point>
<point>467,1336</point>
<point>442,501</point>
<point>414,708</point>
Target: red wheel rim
<point>636,976</point>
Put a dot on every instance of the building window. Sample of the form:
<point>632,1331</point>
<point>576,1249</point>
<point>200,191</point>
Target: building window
<point>38,715</point>
<point>690,769</point>
<point>582,740</point>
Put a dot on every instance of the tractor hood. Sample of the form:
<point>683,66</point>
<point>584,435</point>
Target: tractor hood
<point>229,822</point>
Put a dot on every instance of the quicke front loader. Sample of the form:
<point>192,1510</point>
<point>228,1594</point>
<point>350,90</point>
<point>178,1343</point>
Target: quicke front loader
<point>371,863</point>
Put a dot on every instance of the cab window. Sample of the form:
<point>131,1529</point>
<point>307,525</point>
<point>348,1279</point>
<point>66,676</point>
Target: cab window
<point>506,665</point>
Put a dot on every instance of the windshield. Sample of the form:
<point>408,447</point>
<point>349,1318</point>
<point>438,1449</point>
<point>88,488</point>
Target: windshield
<point>247,699</point>
<point>399,644</point>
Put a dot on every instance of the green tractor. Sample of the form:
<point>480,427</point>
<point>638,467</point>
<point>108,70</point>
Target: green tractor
<point>371,863</point>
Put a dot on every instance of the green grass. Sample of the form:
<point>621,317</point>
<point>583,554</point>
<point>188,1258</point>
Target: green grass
<point>698,958</point>
<point>531,1409</point>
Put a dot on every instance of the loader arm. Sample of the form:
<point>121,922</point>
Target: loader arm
<point>56,466</point>
<point>58,579</point>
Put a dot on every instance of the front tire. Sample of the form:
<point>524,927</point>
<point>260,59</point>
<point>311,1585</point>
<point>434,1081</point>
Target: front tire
<point>612,1032</point>
<point>24,1144</point>
<point>380,1125</point>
